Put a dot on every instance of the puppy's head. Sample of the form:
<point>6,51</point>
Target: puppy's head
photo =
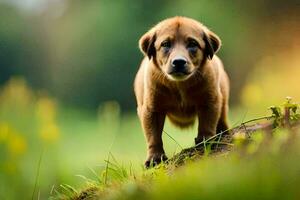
<point>179,46</point>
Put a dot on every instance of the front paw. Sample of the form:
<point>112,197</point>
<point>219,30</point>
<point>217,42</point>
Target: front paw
<point>203,137</point>
<point>198,140</point>
<point>154,159</point>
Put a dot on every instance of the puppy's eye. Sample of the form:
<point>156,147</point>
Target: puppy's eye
<point>166,44</point>
<point>192,44</point>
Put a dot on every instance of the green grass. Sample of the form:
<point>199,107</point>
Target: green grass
<point>85,141</point>
<point>103,151</point>
<point>263,169</point>
<point>264,166</point>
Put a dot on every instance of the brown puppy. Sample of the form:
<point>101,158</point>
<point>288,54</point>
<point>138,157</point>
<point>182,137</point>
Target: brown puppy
<point>181,78</point>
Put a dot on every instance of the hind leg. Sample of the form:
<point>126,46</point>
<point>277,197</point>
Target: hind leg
<point>208,117</point>
<point>223,121</point>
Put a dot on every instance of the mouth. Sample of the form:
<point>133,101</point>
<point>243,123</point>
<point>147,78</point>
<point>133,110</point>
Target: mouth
<point>182,75</point>
<point>178,72</point>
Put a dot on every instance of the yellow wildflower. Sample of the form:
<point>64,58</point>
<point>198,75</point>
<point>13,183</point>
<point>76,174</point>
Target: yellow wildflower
<point>46,109</point>
<point>4,132</point>
<point>16,144</point>
<point>50,133</point>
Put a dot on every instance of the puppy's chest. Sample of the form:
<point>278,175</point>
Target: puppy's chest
<point>183,101</point>
<point>178,101</point>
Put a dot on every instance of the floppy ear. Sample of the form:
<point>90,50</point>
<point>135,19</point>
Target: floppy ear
<point>146,44</point>
<point>212,44</point>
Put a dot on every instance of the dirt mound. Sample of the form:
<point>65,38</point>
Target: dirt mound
<point>223,142</point>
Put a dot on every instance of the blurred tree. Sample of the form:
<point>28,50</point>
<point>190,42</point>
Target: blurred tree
<point>22,49</point>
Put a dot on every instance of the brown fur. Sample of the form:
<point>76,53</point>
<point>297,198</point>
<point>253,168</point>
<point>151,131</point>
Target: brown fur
<point>201,94</point>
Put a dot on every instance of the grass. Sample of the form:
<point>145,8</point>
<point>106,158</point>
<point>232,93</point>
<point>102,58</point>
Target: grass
<point>262,165</point>
<point>258,170</point>
<point>37,176</point>
<point>101,154</point>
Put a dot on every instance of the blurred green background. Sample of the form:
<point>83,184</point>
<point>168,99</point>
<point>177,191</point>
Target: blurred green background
<point>67,70</point>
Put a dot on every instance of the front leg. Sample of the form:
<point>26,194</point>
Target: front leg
<point>152,124</point>
<point>208,117</point>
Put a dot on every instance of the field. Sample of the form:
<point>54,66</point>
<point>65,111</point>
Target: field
<point>49,150</point>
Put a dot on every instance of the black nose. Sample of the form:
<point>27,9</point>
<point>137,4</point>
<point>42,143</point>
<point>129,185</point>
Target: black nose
<point>178,62</point>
